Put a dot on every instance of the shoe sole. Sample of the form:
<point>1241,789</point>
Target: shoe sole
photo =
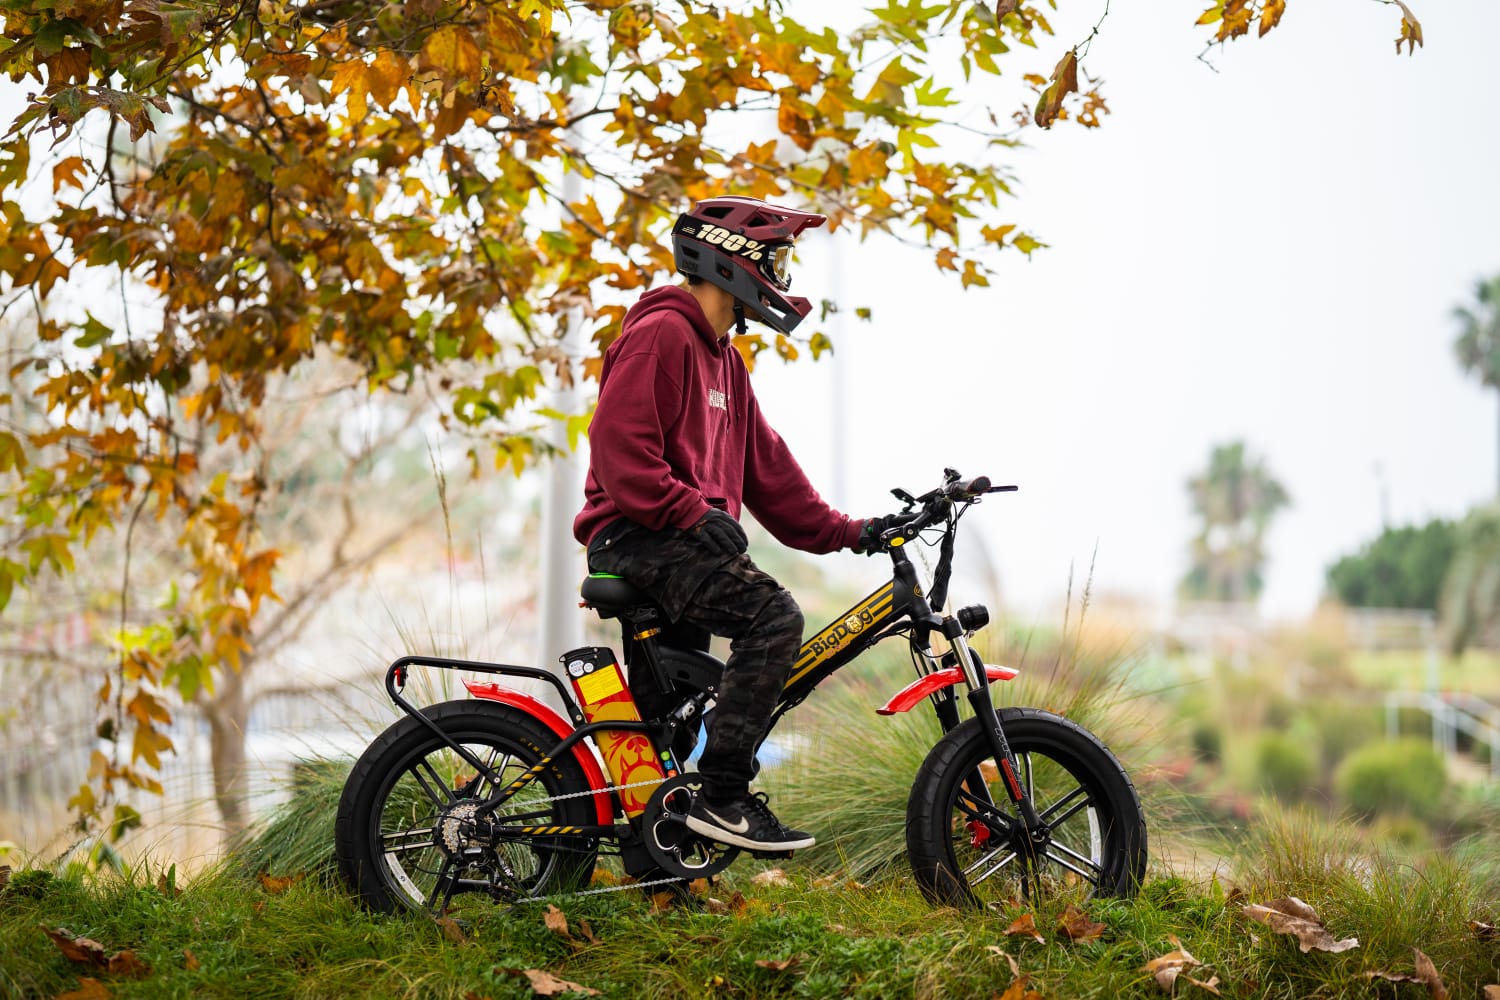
<point>720,835</point>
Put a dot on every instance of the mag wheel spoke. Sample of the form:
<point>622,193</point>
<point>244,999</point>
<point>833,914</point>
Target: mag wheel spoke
<point>1065,808</point>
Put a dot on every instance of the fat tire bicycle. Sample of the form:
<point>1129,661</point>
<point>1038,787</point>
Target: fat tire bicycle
<point>497,794</point>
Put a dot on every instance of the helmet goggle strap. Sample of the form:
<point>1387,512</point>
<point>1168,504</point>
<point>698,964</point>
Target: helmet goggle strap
<point>777,265</point>
<point>739,318</point>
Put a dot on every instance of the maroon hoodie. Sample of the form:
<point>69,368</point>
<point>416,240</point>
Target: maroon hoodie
<point>677,430</point>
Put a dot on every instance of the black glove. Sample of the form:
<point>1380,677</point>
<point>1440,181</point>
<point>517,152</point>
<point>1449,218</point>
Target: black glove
<point>720,533</point>
<point>874,527</point>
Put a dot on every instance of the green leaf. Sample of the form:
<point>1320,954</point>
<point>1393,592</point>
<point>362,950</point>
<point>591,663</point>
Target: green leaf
<point>94,332</point>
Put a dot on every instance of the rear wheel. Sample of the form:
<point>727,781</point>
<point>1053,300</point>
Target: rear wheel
<point>408,833</point>
<point>963,834</point>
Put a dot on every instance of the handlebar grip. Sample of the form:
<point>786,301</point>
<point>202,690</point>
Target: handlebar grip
<point>967,487</point>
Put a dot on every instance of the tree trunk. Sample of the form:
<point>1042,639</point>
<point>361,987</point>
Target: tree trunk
<point>228,712</point>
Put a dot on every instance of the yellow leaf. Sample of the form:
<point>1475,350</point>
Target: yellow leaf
<point>452,52</point>
<point>1064,82</point>
<point>1411,30</point>
<point>946,258</point>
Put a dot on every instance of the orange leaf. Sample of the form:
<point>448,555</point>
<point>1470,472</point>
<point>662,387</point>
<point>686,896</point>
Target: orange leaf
<point>1076,925</point>
<point>1018,991</point>
<point>75,948</point>
<point>451,930</point>
<point>1270,15</point>
<point>189,960</point>
<point>1025,926</point>
<point>1166,968</point>
<point>88,989</point>
<point>779,964</point>
<point>124,963</point>
<point>67,173</point>
<point>276,885</point>
<point>1004,7</point>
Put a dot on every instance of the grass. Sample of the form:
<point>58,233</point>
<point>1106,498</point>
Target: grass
<point>224,935</point>
<point>822,934</point>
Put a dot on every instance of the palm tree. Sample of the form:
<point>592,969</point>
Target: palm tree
<point>1235,498</point>
<point>1478,344</point>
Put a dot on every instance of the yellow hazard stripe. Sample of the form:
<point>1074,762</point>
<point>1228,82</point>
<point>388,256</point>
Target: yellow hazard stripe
<point>819,648</point>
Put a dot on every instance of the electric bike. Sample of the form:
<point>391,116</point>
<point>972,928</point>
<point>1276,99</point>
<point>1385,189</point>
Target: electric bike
<point>499,795</point>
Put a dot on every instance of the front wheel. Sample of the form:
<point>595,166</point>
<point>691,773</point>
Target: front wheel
<point>409,834</point>
<point>963,833</point>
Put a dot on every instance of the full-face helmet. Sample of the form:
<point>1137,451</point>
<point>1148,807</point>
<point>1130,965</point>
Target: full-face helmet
<point>744,246</point>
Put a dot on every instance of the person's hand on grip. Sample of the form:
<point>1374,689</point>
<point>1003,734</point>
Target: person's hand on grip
<point>720,533</point>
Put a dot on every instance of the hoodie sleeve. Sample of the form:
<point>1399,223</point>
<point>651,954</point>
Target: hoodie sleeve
<point>638,404</point>
<point>782,499</point>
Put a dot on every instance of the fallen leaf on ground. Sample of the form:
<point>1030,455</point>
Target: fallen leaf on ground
<point>277,884</point>
<point>698,887</point>
<point>1166,968</point>
<point>1492,993</point>
<point>75,948</point>
<point>1018,991</point>
<point>1289,915</point>
<point>779,964</point>
<point>1015,967</point>
<point>451,930</point>
<point>88,989</point>
<point>168,886</point>
<point>771,876</point>
<point>124,963</point>
<point>189,960</point>
<point>556,921</point>
<point>1484,932</point>
<point>1076,925</point>
<point>1212,985</point>
<point>1427,974</point>
<point>1025,926</point>
<point>545,984</point>
<point>603,877</point>
<point>735,904</point>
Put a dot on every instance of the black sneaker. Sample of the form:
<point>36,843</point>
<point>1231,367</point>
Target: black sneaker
<point>747,823</point>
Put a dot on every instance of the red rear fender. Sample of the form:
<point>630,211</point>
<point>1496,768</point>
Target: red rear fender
<point>559,727</point>
<point>925,685</point>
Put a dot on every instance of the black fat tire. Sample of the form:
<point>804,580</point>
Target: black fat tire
<point>383,773</point>
<point>1065,757</point>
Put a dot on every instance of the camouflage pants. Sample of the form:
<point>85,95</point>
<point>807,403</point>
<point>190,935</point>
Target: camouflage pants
<point>724,595</point>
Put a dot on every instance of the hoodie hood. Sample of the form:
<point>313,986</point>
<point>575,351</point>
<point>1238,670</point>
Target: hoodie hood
<point>672,298</point>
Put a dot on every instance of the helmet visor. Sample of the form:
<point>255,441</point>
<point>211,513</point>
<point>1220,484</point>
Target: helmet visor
<point>777,265</point>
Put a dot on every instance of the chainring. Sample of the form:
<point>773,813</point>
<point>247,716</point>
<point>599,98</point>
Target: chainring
<point>677,850</point>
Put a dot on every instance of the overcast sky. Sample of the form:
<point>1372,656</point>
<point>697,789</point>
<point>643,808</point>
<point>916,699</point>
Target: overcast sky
<point>1268,253</point>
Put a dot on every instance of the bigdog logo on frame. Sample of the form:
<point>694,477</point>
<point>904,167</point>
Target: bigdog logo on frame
<point>847,627</point>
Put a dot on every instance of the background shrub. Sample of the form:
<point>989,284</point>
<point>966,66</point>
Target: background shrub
<point>1285,766</point>
<point>1404,776</point>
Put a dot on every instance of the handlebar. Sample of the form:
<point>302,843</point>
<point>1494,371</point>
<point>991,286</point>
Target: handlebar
<point>936,503</point>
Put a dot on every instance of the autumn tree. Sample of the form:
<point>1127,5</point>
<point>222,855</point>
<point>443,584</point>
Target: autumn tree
<point>1234,499</point>
<point>382,184</point>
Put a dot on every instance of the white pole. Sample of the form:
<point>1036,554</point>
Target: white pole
<point>562,557</point>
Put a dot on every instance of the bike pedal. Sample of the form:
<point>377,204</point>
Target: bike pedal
<point>771,855</point>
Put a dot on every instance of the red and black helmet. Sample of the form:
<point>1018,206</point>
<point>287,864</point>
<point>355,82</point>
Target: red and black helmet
<point>744,246</point>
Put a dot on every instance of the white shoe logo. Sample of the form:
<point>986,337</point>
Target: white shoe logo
<point>743,826</point>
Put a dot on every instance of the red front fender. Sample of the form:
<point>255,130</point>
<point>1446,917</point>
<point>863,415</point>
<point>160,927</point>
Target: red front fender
<point>924,686</point>
<point>554,722</point>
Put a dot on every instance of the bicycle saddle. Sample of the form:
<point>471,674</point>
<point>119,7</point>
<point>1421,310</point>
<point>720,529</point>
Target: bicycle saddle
<point>610,595</point>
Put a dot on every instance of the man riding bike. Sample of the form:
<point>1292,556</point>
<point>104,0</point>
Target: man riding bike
<point>678,447</point>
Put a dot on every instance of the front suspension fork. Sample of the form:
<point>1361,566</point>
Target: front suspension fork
<point>989,721</point>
